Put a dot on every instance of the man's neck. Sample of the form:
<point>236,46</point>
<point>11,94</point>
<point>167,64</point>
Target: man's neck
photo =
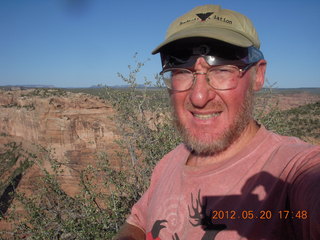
<point>246,136</point>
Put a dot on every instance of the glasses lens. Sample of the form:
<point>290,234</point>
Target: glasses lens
<point>223,77</point>
<point>171,61</point>
<point>178,79</point>
<point>184,53</point>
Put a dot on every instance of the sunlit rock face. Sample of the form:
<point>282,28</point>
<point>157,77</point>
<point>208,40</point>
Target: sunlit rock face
<point>74,127</point>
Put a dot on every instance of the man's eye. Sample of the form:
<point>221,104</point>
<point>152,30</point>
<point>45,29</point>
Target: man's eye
<point>224,70</point>
<point>180,72</point>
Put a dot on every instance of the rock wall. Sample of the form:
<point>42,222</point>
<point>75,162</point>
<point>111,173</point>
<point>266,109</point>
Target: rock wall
<point>74,126</point>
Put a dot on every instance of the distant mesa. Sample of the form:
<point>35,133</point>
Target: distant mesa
<point>22,87</point>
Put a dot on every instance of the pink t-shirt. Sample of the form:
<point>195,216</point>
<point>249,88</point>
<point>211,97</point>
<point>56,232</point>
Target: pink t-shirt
<point>269,190</point>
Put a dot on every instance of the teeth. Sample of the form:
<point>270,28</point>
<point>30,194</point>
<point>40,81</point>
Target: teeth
<point>206,116</point>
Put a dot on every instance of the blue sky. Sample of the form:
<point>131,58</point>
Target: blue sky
<point>80,43</point>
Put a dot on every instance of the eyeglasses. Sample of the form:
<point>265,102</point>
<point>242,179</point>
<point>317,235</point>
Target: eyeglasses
<point>187,57</point>
<point>223,77</point>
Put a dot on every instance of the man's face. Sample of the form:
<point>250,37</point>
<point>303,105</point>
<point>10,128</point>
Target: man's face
<point>211,120</point>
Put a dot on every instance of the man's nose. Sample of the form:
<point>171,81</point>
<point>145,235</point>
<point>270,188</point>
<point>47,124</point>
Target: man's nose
<point>201,92</point>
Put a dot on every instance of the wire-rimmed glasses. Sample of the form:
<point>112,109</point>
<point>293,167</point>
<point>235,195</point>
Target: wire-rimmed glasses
<point>223,77</point>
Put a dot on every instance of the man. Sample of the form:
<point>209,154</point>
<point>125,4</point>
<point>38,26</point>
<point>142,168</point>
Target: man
<point>231,178</point>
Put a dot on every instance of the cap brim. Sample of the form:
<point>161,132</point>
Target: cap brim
<point>221,34</point>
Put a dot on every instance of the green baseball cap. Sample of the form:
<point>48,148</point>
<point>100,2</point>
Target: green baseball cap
<point>211,21</point>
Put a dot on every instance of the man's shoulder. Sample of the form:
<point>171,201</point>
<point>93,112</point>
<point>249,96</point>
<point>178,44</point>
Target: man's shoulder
<point>287,142</point>
<point>179,153</point>
<point>173,159</point>
<point>291,149</point>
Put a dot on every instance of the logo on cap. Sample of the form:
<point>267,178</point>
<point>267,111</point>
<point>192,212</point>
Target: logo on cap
<point>204,16</point>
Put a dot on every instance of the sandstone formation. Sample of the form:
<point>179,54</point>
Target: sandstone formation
<point>75,127</point>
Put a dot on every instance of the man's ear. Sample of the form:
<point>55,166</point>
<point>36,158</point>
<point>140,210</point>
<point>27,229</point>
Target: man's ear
<point>259,75</point>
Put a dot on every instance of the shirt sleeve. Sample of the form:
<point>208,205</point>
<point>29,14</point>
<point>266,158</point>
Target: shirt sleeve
<point>137,217</point>
<point>304,198</point>
<point>139,211</point>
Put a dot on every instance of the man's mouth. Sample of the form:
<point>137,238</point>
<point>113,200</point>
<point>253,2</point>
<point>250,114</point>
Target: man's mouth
<point>206,116</point>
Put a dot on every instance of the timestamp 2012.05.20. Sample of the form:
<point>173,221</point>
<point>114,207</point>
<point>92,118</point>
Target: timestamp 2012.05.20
<point>261,215</point>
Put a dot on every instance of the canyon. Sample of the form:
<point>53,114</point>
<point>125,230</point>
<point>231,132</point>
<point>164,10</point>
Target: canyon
<point>73,128</point>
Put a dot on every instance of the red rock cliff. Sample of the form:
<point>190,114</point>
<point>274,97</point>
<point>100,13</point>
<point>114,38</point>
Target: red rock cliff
<point>75,126</point>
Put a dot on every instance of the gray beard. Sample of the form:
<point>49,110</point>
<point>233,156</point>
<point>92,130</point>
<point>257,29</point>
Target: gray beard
<point>229,136</point>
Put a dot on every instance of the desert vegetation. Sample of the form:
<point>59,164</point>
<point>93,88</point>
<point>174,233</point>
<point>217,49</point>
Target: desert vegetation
<point>107,193</point>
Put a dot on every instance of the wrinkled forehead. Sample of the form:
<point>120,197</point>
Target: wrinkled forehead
<point>204,46</point>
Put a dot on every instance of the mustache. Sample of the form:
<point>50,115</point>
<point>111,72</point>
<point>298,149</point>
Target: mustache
<point>211,105</point>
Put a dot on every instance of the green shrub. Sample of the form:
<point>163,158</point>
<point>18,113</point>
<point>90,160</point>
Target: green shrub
<point>300,122</point>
